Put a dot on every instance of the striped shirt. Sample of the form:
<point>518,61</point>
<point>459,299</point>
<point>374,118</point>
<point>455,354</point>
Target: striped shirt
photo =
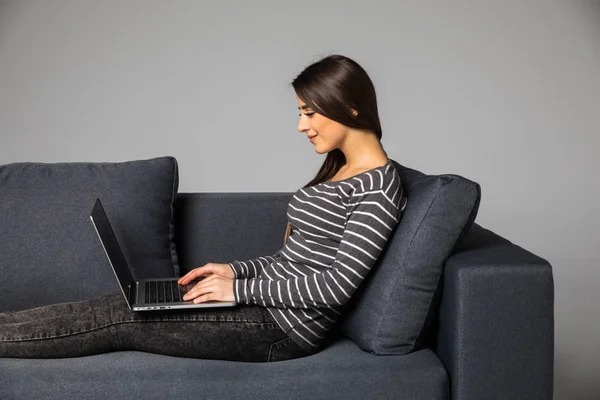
<point>339,230</point>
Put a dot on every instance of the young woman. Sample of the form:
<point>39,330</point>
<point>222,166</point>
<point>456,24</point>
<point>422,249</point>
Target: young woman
<point>288,302</point>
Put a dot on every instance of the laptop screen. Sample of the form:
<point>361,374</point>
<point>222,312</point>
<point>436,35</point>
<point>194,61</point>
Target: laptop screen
<point>112,248</point>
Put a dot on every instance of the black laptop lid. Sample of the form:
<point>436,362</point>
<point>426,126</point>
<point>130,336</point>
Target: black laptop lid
<point>112,248</point>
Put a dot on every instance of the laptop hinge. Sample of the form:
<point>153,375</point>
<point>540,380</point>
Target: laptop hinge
<point>133,293</point>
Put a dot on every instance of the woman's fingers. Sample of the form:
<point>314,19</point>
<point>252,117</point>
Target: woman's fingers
<point>204,297</point>
<point>183,279</point>
<point>200,288</point>
<point>215,287</point>
<point>207,269</point>
<point>190,276</point>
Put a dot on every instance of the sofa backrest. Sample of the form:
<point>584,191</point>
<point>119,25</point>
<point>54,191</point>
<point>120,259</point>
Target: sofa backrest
<point>221,227</point>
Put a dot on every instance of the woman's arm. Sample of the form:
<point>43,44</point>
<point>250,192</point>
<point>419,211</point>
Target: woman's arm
<point>251,268</point>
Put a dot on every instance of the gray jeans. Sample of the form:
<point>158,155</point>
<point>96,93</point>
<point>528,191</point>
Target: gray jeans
<point>105,323</point>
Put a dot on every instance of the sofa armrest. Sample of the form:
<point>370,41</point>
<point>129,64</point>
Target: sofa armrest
<point>495,332</point>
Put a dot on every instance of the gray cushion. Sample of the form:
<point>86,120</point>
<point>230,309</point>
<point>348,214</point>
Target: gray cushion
<point>49,250</point>
<point>394,307</point>
<point>340,371</point>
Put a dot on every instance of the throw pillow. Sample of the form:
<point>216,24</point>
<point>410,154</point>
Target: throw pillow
<point>391,312</point>
<point>49,250</point>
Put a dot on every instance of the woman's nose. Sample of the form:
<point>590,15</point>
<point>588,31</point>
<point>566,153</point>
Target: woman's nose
<point>303,125</point>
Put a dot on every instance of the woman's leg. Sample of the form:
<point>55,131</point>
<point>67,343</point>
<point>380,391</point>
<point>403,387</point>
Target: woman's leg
<point>103,324</point>
<point>240,333</point>
<point>61,330</point>
<point>47,311</point>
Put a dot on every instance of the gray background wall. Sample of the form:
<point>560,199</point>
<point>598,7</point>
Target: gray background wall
<point>506,93</point>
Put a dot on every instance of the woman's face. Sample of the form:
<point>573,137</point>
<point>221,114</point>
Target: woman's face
<point>328,134</point>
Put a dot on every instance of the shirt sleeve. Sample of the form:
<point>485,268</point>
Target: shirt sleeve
<point>251,268</point>
<point>373,214</point>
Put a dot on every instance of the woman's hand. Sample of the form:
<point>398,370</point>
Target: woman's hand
<point>207,269</point>
<point>215,287</point>
<point>216,283</point>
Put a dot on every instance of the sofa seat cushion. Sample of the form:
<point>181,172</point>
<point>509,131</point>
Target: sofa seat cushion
<point>393,308</point>
<point>49,249</point>
<point>339,371</point>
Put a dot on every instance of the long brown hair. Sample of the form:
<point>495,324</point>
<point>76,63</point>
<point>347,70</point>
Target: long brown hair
<point>333,86</point>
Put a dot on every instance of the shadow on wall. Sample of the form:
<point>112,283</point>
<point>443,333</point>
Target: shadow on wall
<point>569,383</point>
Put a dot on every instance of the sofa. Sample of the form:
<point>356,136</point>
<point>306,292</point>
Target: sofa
<point>489,331</point>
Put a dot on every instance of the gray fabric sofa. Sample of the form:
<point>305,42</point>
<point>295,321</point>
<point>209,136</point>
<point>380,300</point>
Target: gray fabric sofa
<point>491,339</point>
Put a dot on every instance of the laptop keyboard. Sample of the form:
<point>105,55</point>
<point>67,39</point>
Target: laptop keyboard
<point>162,292</point>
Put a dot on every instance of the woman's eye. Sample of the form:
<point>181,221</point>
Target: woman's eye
<point>309,114</point>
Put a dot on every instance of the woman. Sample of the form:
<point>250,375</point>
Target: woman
<point>289,301</point>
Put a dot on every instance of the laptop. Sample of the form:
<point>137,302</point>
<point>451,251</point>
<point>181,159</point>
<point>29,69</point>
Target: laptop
<point>146,294</point>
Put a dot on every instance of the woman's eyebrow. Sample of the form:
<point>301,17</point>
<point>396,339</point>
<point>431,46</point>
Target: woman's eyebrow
<point>304,107</point>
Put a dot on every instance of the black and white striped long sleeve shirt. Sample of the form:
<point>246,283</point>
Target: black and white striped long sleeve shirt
<point>339,231</point>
